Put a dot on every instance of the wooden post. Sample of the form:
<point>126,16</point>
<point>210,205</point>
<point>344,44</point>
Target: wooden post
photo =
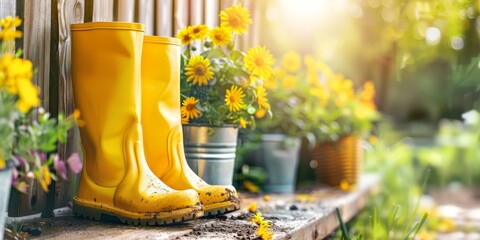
<point>210,13</point>
<point>163,18</point>
<point>125,10</point>
<point>180,15</point>
<point>68,12</point>
<point>145,12</point>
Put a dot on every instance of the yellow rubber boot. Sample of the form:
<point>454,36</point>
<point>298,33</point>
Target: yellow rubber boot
<point>163,138</point>
<point>116,180</point>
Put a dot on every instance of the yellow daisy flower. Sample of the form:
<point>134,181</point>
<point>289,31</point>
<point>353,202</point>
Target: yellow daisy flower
<point>264,232</point>
<point>291,61</point>
<point>252,207</point>
<point>243,123</point>
<point>185,35</point>
<point>8,26</point>
<point>257,218</point>
<point>199,32</point>
<point>289,82</point>
<point>188,109</point>
<point>259,62</point>
<point>184,120</point>
<point>260,113</point>
<point>234,98</point>
<point>220,36</point>
<point>236,18</point>
<point>198,70</point>
<point>262,97</point>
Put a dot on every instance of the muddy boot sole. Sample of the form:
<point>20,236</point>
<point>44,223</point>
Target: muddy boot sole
<point>101,212</point>
<point>219,208</point>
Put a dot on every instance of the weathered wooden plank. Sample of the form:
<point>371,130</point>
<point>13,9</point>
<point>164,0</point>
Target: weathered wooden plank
<point>145,14</point>
<point>196,12</point>
<point>180,15</point>
<point>36,47</point>
<point>163,18</point>
<point>103,10</point>
<point>210,13</point>
<point>69,11</point>
<point>7,8</point>
<point>126,10</point>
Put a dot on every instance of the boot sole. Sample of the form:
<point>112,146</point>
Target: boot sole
<point>219,208</point>
<point>98,212</point>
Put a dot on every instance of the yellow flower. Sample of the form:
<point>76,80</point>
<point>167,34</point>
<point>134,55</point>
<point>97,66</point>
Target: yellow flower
<point>373,139</point>
<point>3,163</point>
<point>262,99</point>
<point>270,83</point>
<point>220,36</point>
<point>198,70</point>
<point>259,62</point>
<point>185,35</point>
<point>188,109</point>
<point>43,177</point>
<point>321,94</point>
<point>28,95</point>
<point>8,26</point>
<point>291,61</point>
<point>250,186</point>
<point>344,185</point>
<point>260,113</point>
<point>252,207</point>
<point>266,198</point>
<point>236,18</point>
<point>257,218</point>
<point>199,32</point>
<point>234,98</point>
<point>243,123</point>
<point>264,232</point>
<point>446,225</point>
<point>16,76</point>
<point>289,82</point>
<point>184,120</point>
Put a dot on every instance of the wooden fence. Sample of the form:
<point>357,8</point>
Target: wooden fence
<point>46,42</point>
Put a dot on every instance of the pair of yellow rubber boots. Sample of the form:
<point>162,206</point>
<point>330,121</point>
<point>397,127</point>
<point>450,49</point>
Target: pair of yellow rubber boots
<point>127,87</point>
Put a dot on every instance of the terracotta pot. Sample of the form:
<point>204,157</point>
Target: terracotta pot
<point>337,161</point>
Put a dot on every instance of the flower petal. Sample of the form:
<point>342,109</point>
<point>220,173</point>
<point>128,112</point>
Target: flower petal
<point>75,163</point>
<point>59,166</point>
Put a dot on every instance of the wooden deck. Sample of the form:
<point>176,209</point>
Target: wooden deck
<point>305,215</point>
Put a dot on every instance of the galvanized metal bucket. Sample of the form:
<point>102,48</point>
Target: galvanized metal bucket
<point>279,156</point>
<point>210,152</point>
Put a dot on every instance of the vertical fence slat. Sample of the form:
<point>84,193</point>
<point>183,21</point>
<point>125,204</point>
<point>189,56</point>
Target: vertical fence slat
<point>210,13</point>
<point>196,12</point>
<point>7,8</point>
<point>180,15</point>
<point>103,10</point>
<point>145,15</point>
<point>163,18</point>
<point>69,11</point>
<point>126,10</point>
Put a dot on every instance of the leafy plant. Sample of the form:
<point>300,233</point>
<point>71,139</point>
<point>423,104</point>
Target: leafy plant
<point>28,143</point>
<point>219,84</point>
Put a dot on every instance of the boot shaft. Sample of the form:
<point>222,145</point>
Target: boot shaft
<point>106,71</point>
<point>160,99</point>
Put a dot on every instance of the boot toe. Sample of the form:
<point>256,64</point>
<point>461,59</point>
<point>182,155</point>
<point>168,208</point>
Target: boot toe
<point>217,194</point>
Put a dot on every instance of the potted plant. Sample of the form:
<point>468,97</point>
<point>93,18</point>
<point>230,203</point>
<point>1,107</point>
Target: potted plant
<point>26,146</point>
<point>278,150</point>
<point>346,114</point>
<point>221,89</point>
